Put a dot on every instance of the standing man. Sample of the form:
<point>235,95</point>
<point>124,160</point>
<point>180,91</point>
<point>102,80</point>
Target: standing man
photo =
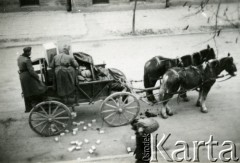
<point>33,89</point>
<point>65,72</point>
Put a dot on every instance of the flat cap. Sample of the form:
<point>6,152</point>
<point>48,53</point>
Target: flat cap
<point>27,49</point>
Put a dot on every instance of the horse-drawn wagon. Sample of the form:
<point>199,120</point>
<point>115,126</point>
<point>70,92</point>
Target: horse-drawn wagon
<point>52,115</point>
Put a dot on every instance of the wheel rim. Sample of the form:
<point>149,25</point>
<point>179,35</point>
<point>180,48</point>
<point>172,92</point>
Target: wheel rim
<point>119,109</point>
<point>49,118</point>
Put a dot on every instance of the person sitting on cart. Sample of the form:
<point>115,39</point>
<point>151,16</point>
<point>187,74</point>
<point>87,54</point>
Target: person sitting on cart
<point>64,67</point>
<point>33,89</point>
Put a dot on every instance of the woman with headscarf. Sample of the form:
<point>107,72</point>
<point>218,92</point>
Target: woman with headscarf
<point>33,89</point>
<point>65,72</point>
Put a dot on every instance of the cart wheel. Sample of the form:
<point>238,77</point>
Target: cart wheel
<point>119,109</point>
<point>49,118</point>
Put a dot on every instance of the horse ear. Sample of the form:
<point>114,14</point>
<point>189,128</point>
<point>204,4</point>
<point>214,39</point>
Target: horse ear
<point>228,54</point>
<point>208,46</point>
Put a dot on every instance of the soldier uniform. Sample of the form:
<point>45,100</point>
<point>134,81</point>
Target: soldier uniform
<point>32,87</point>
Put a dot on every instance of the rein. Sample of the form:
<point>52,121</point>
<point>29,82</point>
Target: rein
<point>141,90</point>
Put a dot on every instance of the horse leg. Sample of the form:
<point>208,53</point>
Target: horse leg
<point>169,110</point>
<point>184,95</point>
<point>203,99</point>
<point>198,103</point>
<point>147,84</point>
<point>165,97</point>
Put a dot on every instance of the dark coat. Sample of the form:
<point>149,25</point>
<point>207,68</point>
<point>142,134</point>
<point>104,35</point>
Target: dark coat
<point>65,73</point>
<point>31,85</point>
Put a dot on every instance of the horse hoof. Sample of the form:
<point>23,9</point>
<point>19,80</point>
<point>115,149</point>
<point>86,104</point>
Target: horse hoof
<point>204,110</point>
<point>170,113</point>
<point>164,116</point>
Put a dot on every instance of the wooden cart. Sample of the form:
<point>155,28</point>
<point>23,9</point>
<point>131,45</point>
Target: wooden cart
<point>52,116</point>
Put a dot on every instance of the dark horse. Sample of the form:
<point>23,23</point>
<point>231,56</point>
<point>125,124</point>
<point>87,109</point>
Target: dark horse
<point>155,68</point>
<point>202,77</point>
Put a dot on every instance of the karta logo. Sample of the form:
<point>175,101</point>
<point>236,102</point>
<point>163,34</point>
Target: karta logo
<point>228,153</point>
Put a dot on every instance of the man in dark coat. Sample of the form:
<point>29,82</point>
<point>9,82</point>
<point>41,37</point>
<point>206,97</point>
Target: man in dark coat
<point>65,73</point>
<point>33,89</point>
<point>143,129</point>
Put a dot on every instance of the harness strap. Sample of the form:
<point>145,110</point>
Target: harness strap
<point>158,60</point>
<point>175,72</point>
<point>179,60</point>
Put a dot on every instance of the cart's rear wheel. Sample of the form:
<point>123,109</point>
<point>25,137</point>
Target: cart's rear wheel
<point>49,118</point>
<point>119,109</point>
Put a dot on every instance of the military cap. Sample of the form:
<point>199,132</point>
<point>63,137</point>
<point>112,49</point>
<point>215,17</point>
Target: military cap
<point>27,49</point>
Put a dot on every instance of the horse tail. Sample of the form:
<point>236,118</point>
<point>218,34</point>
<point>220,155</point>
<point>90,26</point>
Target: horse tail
<point>146,80</point>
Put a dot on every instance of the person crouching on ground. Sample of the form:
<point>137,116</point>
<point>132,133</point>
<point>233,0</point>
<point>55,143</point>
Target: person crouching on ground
<point>143,129</point>
<point>33,89</point>
<point>65,66</point>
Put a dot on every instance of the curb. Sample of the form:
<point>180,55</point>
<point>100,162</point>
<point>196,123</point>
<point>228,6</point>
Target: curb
<point>9,44</point>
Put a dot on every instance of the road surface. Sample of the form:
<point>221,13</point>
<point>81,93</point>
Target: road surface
<point>19,143</point>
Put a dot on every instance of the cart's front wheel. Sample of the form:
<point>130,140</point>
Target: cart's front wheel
<point>119,109</point>
<point>49,118</point>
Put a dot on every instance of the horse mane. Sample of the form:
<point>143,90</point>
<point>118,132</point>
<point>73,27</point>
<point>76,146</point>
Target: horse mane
<point>194,59</point>
<point>163,58</point>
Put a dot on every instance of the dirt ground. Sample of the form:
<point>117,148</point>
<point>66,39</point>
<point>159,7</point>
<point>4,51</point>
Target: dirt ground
<point>18,143</point>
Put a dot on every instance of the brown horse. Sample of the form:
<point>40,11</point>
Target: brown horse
<point>202,77</point>
<point>155,68</point>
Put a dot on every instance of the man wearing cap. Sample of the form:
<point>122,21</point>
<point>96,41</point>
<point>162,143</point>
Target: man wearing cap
<point>65,73</point>
<point>33,89</point>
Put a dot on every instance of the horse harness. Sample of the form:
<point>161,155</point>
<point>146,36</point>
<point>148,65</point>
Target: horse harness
<point>183,70</point>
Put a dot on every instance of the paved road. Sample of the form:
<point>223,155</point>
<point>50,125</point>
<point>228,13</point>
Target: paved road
<point>129,55</point>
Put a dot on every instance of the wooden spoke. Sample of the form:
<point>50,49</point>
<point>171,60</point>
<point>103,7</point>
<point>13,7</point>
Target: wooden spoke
<point>125,117</point>
<point>128,104</point>
<point>54,111</point>
<point>132,107</point>
<point>131,112</point>
<point>39,124</point>
<point>125,100</point>
<point>49,130</point>
<point>61,118</point>
<point>110,115</point>
<point>59,122</point>
<point>106,111</point>
<point>119,117</point>
<point>113,118</point>
<point>43,110</point>
<point>111,106</point>
<point>39,114</point>
<point>59,113</point>
<point>43,128</point>
<point>49,108</point>
<point>114,102</point>
<point>120,100</point>
<point>56,126</point>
